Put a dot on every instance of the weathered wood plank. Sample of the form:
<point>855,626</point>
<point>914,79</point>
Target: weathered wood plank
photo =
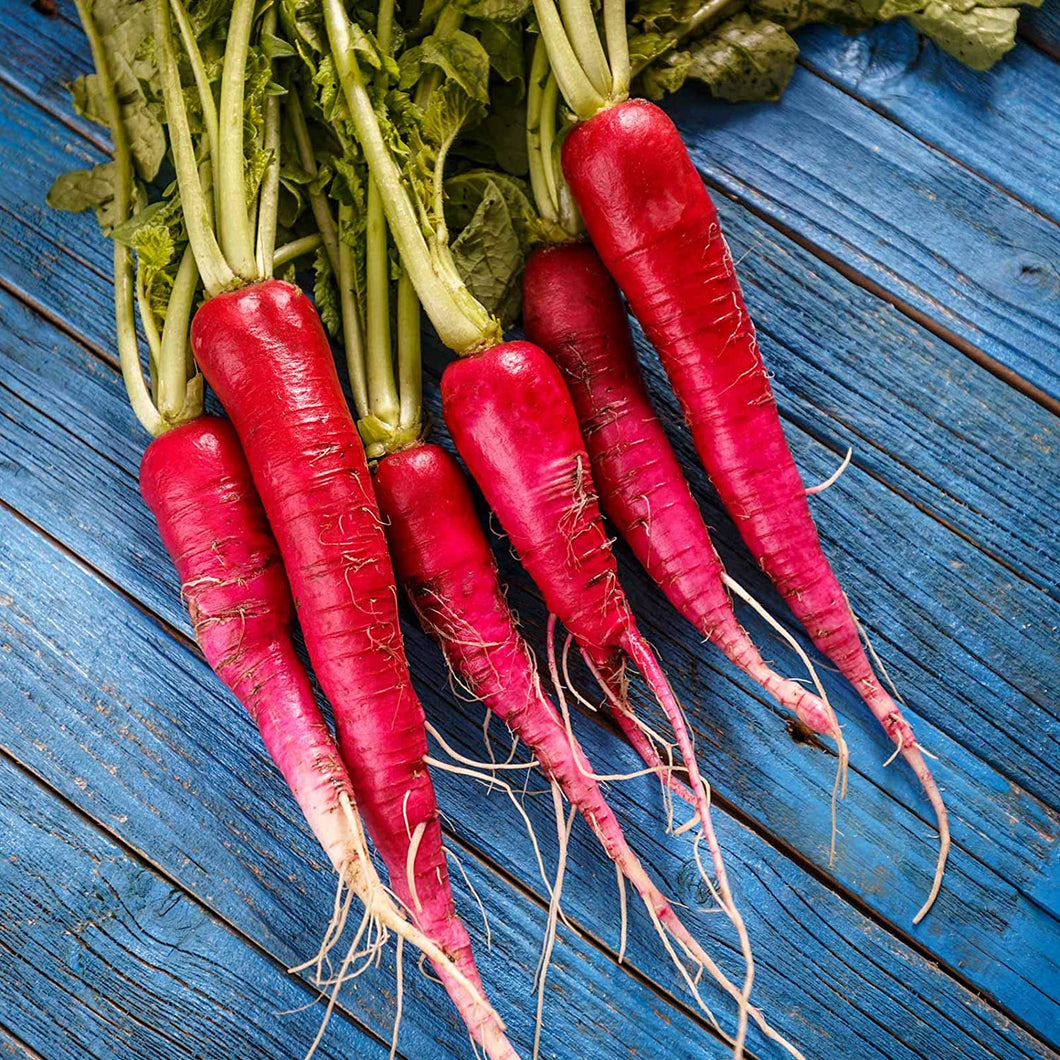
<point>1041,26</point>
<point>954,466</point>
<point>1001,123</point>
<point>119,543</point>
<point>102,957</point>
<point>891,209</point>
<point>136,731</point>
<point>162,764</point>
<point>918,226</point>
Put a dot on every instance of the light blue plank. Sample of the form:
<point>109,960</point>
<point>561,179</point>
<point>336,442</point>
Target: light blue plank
<point>1001,123</point>
<point>102,957</point>
<point>957,466</point>
<point>750,739</point>
<point>904,216</point>
<point>135,730</point>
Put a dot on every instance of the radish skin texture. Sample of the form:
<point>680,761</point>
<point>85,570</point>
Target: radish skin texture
<point>263,350</point>
<point>573,310</point>
<point>513,422</point>
<point>657,231</point>
<point>196,481</point>
<point>444,563</point>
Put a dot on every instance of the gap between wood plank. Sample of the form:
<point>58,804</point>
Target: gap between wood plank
<point>1007,375</point>
<point>829,444</point>
<point>781,846</point>
<point>766,704</point>
<point>881,112</point>
<point>6,1033</point>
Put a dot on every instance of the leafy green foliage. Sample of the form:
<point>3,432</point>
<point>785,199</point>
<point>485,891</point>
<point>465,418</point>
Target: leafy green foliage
<point>497,225</point>
<point>744,59</point>
<point>496,10</point>
<point>87,189</point>
<point>977,35</point>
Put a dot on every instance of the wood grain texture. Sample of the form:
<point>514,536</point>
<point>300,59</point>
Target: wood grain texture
<point>791,803</point>
<point>1041,26</point>
<point>102,957</point>
<point>892,210</point>
<point>937,238</point>
<point>999,122</point>
<point>165,765</point>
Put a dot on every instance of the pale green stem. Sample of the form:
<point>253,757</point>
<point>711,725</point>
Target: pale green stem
<point>410,359</point>
<point>585,39</point>
<point>352,335</point>
<point>202,81</point>
<point>124,308</point>
<point>151,334</point>
<point>576,87</point>
<point>383,400</point>
<point>384,26</point>
<point>295,249</point>
<point>542,179</point>
<point>318,201</point>
<point>216,274</point>
<point>233,219</point>
<point>462,323</point>
<point>617,47</point>
<point>269,196</point>
<point>549,105</point>
<point>173,356</point>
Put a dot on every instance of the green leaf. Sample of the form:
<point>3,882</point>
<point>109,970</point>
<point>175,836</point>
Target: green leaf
<point>744,60</point>
<point>495,10</point>
<point>500,139</point>
<point>462,59</point>
<point>325,294</point>
<point>489,254</point>
<point>465,192</point>
<point>449,110</point>
<point>978,36</point>
<point>147,138</point>
<point>276,47</point>
<point>503,42</point>
<point>86,189</point>
<point>854,15</point>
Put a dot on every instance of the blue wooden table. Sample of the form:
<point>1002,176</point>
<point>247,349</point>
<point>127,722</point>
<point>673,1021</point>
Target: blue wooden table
<point>897,219</point>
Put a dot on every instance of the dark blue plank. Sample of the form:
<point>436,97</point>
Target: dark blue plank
<point>1001,123</point>
<point>955,465</point>
<point>845,984</point>
<point>102,957</point>
<point>892,210</point>
<point>118,543</point>
<point>1041,26</point>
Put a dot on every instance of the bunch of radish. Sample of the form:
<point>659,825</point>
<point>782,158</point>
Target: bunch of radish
<point>296,505</point>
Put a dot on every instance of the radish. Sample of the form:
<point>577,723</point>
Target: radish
<point>657,232</point>
<point>508,411</point>
<point>573,310</point>
<point>261,345</point>
<point>444,563</point>
<point>195,479</point>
